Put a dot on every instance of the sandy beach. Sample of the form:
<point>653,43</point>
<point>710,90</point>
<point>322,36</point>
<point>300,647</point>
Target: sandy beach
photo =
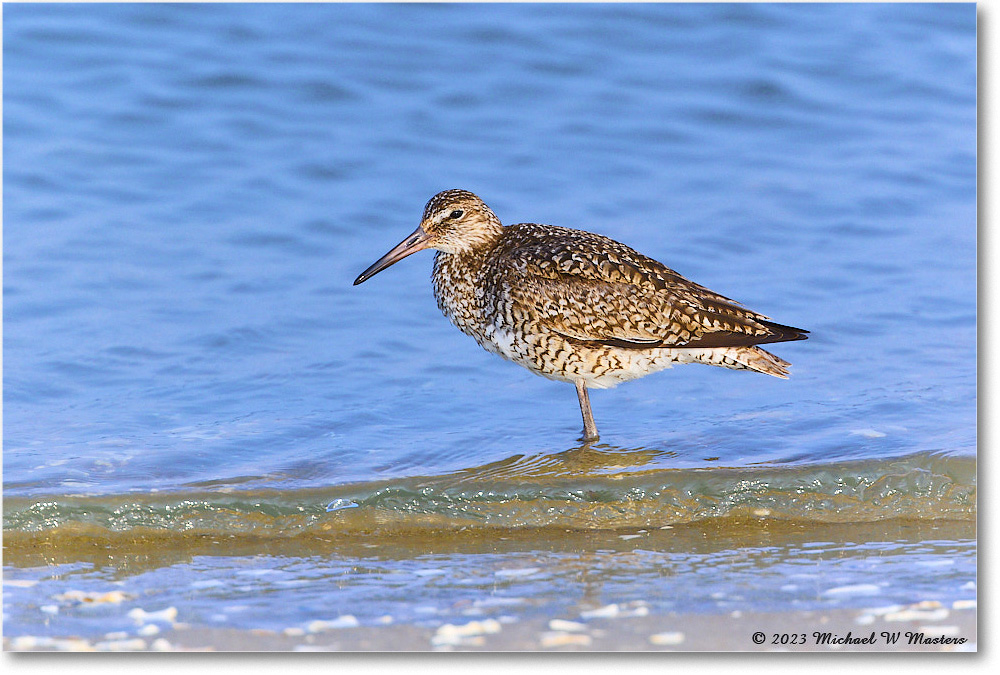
<point>924,627</point>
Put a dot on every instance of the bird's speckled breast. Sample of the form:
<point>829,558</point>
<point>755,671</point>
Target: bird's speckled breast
<point>458,290</point>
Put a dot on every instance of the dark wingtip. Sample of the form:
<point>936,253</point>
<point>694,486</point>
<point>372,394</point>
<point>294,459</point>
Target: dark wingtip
<point>781,333</point>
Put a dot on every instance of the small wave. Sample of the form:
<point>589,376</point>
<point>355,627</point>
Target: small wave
<point>530,493</point>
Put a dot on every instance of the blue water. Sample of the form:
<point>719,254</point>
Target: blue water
<point>189,191</point>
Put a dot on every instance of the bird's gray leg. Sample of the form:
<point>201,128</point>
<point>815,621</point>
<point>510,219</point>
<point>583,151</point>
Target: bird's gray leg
<point>589,428</point>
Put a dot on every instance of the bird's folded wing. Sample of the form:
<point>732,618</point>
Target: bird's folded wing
<point>602,292</point>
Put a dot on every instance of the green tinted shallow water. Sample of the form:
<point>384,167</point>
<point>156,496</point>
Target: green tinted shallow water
<point>527,538</point>
<point>575,490</point>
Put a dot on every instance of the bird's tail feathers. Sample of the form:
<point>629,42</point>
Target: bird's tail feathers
<point>755,358</point>
<point>739,358</point>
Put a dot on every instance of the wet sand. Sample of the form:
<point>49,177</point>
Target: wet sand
<point>943,629</point>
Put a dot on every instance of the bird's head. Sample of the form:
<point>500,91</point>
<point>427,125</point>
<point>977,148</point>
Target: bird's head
<point>454,221</point>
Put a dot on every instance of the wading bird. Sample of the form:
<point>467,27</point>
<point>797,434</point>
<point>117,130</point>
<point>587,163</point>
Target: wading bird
<point>575,306</point>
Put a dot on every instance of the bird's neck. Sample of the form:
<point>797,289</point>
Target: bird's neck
<point>457,269</point>
<point>462,262</point>
<point>473,243</point>
<point>487,239</point>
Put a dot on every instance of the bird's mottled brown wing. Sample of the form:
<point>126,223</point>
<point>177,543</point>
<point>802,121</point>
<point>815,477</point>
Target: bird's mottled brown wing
<point>592,289</point>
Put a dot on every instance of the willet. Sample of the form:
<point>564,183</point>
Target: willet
<point>575,306</point>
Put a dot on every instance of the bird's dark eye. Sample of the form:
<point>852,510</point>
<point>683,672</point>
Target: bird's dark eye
<point>456,214</point>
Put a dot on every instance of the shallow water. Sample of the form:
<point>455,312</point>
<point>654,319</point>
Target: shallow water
<point>189,192</point>
<point>430,578</point>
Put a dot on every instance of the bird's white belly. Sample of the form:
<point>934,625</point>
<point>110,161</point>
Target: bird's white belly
<point>555,359</point>
<point>504,342</point>
<point>628,365</point>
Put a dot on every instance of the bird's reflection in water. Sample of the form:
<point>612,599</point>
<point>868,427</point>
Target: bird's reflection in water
<point>597,459</point>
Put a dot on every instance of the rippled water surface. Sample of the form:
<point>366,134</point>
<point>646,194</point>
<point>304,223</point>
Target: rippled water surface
<point>189,191</point>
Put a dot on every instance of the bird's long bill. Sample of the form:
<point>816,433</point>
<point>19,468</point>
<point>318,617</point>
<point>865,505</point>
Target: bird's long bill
<point>417,241</point>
